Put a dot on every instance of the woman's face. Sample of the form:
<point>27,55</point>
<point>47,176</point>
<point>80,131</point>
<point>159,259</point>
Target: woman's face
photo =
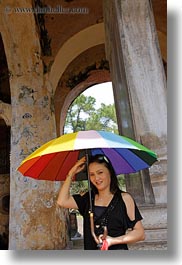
<point>99,176</point>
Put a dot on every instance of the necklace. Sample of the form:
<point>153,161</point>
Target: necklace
<point>104,196</point>
<point>105,199</point>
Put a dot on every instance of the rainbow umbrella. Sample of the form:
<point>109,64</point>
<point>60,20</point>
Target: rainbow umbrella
<point>53,160</point>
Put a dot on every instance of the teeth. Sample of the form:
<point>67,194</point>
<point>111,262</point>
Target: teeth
<point>98,182</point>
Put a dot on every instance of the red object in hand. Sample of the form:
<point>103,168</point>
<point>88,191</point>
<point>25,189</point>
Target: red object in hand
<point>104,245</point>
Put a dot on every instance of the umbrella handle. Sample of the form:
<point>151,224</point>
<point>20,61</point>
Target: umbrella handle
<point>92,227</point>
<point>102,246</point>
<point>89,185</point>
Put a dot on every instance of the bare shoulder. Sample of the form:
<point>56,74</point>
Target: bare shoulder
<point>127,197</point>
<point>129,202</point>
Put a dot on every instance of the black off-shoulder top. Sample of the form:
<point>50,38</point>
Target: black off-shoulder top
<point>114,217</point>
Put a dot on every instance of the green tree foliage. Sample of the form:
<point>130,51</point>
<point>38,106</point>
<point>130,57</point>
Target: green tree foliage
<point>78,113</point>
<point>103,119</point>
<point>79,187</point>
<point>83,115</point>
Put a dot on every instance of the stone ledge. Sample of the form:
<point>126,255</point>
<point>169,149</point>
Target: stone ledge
<point>154,217</point>
<point>156,235</point>
<point>152,206</point>
<point>155,245</point>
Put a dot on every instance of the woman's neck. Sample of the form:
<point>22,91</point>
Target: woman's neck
<point>103,198</point>
<point>104,193</point>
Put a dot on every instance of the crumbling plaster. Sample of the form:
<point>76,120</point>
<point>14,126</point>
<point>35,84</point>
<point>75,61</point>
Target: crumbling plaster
<point>32,124</point>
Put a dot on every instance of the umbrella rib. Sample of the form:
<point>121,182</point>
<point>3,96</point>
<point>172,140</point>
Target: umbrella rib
<point>60,167</point>
<point>129,163</point>
<point>55,154</point>
<point>45,166</point>
<point>33,165</point>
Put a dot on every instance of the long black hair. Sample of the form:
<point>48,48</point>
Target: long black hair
<point>102,159</point>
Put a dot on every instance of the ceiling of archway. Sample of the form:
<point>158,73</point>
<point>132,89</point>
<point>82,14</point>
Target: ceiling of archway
<point>61,27</point>
<point>56,29</point>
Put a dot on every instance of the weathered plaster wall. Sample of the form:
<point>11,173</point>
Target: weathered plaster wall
<point>35,220</point>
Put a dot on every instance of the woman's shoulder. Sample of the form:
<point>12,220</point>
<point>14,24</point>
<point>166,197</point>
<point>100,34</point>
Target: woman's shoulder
<point>127,197</point>
<point>130,205</point>
<point>126,194</point>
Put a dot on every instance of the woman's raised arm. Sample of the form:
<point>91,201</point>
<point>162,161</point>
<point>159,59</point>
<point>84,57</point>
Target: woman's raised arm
<point>64,198</point>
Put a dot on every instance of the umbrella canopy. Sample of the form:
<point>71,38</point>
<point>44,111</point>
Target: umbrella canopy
<point>53,160</point>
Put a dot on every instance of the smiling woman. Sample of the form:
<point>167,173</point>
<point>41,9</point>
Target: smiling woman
<point>107,230</point>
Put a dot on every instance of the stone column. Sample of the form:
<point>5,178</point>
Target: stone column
<point>139,82</point>
<point>35,220</point>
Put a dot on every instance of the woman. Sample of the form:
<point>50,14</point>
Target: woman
<point>112,207</point>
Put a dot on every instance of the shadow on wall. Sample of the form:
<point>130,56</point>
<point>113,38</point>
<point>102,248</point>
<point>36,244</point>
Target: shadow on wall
<point>3,241</point>
<point>4,231</point>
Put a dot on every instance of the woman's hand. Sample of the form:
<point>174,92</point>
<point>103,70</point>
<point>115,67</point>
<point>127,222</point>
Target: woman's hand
<point>78,167</point>
<point>132,236</point>
<point>105,242</point>
<point>64,198</point>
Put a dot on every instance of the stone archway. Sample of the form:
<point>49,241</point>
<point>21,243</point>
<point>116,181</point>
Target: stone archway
<point>96,77</point>
<point>72,48</point>
<point>88,68</point>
